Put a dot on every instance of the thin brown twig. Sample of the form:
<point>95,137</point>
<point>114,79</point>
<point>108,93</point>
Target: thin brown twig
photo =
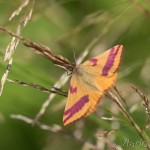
<point>145,99</point>
<point>12,33</point>
<point>40,88</point>
<point>130,119</point>
<point>146,104</point>
<point>43,50</point>
<point>48,53</point>
<point>104,137</point>
<point>63,79</point>
<point>120,95</point>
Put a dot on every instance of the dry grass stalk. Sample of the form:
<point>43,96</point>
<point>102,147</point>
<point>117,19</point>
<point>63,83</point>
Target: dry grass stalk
<point>17,11</point>
<point>62,81</point>
<point>120,95</point>
<point>13,45</point>
<point>104,136</point>
<point>4,77</point>
<point>43,50</point>
<point>129,118</point>
<point>54,128</point>
<point>49,54</point>
<point>40,88</point>
<point>145,99</point>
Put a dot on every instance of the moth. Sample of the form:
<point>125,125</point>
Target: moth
<point>89,82</point>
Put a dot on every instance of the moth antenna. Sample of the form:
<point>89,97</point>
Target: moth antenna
<point>74,57</point>
<point>61,67</point>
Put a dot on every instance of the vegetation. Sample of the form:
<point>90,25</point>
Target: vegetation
<point>31,118</point>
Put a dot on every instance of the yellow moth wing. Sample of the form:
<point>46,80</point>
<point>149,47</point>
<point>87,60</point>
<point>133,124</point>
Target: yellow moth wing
<point>79,101</point>
<point>105,64</point>
<point>89,82</point>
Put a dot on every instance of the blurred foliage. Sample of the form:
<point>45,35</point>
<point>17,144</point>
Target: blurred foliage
<point>66,26</point>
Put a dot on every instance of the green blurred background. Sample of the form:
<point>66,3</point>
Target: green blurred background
<point>66,26</point>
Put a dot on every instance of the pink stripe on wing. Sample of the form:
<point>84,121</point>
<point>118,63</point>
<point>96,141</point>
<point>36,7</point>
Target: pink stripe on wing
<point>110,60</point>
<point>72,89</point>
<point>94,61</point>
<point>76,107</point>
